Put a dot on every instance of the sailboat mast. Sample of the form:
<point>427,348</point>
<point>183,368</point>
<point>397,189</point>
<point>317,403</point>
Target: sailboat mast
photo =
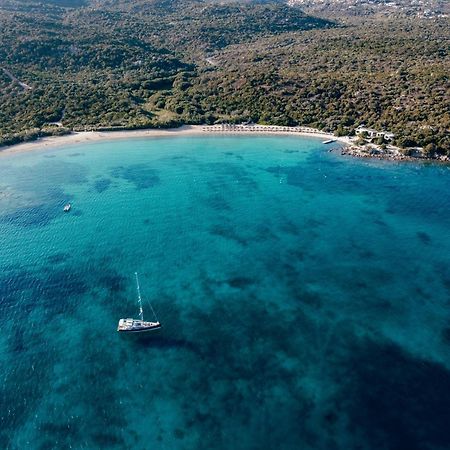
<point>141,312</point>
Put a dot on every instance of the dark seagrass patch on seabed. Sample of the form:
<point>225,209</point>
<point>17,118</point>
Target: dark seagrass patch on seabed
<point>143,176</point>
<point>366,254</point>
<point>36,215</point>
<point>381,223</point>
<point>423,237</point>
<point>239,157</point>
<point>228,174</point>
<point>228,232</point>
<point>218,202</point>
<point>102,184</point>
<point>323,176</point>
<point>58,258</point>
<point>114,282</point>
<point>289,227</point>
<point>240,282</point>
<point>396,400</point>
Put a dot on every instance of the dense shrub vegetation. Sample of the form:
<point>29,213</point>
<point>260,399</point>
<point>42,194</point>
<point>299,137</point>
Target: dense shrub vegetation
<point>137,63</point>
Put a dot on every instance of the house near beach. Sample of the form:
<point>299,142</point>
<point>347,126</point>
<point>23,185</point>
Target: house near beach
<point>371,133</point>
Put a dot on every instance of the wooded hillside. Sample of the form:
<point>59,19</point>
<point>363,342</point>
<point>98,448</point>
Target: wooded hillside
<point>138,64</point>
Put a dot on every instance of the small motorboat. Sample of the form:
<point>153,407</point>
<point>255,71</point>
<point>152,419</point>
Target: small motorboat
<point>329,141</point>
<point>67,207</point>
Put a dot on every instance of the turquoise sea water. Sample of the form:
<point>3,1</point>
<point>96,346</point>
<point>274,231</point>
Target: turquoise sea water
<point>305,297</point>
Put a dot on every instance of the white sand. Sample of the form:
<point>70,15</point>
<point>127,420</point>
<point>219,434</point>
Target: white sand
<point>93,136</point>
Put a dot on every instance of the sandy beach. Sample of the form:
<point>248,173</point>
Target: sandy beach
<point>93,136</point>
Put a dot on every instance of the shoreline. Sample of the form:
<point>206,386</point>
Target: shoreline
<point>349,146</point>
<point>80,137</point>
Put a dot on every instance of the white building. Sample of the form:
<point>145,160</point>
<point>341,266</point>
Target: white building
<point>371,133</point>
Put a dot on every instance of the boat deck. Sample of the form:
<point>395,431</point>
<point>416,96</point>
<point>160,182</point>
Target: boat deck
<point>132,325</point>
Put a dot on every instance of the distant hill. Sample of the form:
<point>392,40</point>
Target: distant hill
<point>326,8</point>
<point>421,8</point>
<point>63,3</point>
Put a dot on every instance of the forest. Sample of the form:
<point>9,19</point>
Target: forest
<point>74,65</point>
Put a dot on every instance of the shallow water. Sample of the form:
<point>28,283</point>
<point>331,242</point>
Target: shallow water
<point>305,297</point>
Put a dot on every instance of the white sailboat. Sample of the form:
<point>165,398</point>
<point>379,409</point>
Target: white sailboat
<point>138,325</point>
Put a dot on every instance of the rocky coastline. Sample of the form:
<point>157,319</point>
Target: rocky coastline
<point>389,152</point>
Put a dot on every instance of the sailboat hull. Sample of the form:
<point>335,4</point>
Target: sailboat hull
<point>136,326</point>
<point>144,330</point>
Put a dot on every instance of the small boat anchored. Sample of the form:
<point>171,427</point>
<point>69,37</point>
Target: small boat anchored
<point>138,325</point>
<point>329,141</point>
<point>67,207</point>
